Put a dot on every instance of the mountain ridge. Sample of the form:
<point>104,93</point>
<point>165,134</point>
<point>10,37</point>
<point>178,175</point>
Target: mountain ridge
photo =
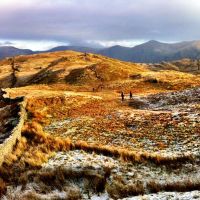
<point>150,52</point>
<point>9,51</point>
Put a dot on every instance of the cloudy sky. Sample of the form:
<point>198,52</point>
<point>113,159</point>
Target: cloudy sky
<point>42,24</point>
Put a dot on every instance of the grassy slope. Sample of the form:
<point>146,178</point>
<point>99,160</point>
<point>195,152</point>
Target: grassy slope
<point>58,87</point>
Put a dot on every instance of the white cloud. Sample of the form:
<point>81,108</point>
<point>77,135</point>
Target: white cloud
<point>125,43</point>
<point>31,44</point>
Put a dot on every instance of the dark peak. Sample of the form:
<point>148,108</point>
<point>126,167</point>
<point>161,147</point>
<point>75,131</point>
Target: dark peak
<point>8,47</point>
<point>149,44</point>
<point>13,48</point>
<point>153,42</point>
<point>116,46</point>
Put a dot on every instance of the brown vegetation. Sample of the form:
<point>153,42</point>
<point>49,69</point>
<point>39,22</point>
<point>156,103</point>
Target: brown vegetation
<point>2,187</point>
<point>179,186</point>
<point>119,190</point>
<point>95,122</point>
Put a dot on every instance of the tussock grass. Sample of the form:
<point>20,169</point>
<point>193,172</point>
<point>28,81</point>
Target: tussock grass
<point>19,193</point>
<point>133,156</point>
<point>48,181</point>
<point>36,146</point>
<point>2,187</point>
<point>57,177</point>
<point>41,144</point>
<point>179,186</point>
<point>18,151</point>
<point>118,190</point>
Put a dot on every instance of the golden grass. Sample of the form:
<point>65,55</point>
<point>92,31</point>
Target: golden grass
<point>44,66</point>
<point>36,146</point>
<point>17,152</point>
<point>173,80</point>
<point>133,156</point>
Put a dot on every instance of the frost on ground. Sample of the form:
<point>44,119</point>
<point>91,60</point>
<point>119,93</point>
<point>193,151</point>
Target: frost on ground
<point>180,100</point>
<point>166,127</point>
<point>80,160</point>
<point>168,123</point>
<point>129,174</point>
<point>194,195</point>
<point>80,175</point>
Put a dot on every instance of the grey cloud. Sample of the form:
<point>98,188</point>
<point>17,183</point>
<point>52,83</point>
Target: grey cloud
<point>6,43</point>
<point>78,21</point>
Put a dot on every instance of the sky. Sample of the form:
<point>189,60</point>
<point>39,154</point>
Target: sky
<point>44,24</point>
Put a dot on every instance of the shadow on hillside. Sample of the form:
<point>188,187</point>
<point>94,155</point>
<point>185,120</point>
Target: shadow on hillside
<point>74,76</point>
<point>6,82</point>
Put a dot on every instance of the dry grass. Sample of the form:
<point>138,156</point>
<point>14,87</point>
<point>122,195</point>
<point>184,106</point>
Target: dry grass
<point>2,187</point>
<point>43,68</point>
<point>18,193</point>
<point>173,80</point>
<point>35,147</point>
<point>179,186</point>
<point>118,190</point>
<point>42,144</point>
<point>17,152</point>
<point>48,181</point>
<point>133,156</point>
<point>45,104</point>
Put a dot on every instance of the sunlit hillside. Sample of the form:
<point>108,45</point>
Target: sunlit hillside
<point>82,140</point>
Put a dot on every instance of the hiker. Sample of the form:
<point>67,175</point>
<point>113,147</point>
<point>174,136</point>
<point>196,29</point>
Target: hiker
<point>2,92</point>
<point>122,96</point>
<point>131,95</point>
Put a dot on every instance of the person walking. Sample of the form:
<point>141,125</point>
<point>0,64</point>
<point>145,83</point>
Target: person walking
<point>131,95</point>
<point>2,92</point>
<point>122,96</point>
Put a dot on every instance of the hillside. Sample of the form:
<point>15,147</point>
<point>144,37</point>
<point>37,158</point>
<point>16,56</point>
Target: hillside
<point>183,65</point>
<point>64,67</point>
<point>87,72</point>
<point>80,140</point>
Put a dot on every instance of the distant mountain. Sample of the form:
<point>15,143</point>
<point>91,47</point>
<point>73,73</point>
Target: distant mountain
<point>9,51</point>
<point>154,51</point>
<point>149,52</point>
<point>118,52</point>
<point>73,48</point>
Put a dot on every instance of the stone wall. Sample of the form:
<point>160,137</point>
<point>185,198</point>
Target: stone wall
<point>7,147</point>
